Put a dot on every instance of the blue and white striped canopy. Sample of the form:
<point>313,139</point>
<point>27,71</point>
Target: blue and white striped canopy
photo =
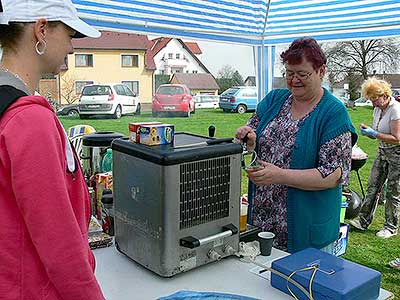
<point>251,22</point>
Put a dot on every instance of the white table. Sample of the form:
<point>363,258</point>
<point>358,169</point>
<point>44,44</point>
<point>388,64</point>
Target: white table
<point>122,279</point>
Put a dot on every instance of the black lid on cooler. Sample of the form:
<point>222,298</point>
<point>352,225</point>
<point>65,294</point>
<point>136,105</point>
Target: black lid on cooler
<point>177,152</point>
<point>101,138</point>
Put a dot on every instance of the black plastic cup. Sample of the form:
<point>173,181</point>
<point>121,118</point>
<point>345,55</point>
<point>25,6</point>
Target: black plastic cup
<point>266,238</point>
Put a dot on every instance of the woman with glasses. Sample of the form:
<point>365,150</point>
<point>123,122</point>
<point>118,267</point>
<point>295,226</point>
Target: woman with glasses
<point>386,130</point>
<point>302,136</point>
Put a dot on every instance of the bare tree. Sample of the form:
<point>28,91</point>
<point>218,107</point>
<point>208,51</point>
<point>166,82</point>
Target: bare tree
<point>227,77</point>
<point>68,92</point>
<point>226,71</point>
<point>362,57</point>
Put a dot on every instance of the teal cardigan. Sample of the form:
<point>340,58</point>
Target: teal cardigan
<point>313,217</point>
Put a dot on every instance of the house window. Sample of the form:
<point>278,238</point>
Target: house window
<point>130,61</point>
<point>79,85</point>
<point>170,55</point>
<point>133,86</point>
<point>177,56</point>
<point>83,60</point>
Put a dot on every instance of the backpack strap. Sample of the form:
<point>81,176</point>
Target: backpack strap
<point>8,95</point>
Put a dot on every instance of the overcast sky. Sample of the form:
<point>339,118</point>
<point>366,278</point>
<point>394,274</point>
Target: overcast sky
<point>216,55</point>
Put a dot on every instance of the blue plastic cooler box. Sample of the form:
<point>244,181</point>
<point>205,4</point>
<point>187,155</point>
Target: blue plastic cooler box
<point>336,278</point>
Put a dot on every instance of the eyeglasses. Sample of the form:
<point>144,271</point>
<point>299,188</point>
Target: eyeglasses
<point>374,99</point>
<point>301,75</point>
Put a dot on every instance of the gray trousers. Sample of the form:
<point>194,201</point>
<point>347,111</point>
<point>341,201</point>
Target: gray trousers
<point>386,166</point>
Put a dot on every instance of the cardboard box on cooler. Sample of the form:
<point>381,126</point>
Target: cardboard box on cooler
<point>134,130</point>
<point>156,134</point>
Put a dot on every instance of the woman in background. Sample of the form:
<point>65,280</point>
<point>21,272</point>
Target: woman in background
<point>386,130</point>
<point>44,202</point>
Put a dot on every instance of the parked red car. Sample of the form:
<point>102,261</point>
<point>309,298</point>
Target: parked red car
<point>173,98</point>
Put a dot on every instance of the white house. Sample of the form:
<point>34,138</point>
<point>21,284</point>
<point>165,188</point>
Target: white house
<point>175,56</point>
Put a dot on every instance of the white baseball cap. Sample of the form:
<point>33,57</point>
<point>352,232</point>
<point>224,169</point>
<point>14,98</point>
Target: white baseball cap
<point>51,10</point>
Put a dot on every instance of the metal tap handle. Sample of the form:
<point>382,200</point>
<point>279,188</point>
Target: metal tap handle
<point>193,242</point>
<point>219,141</point>
<point>244,144</point>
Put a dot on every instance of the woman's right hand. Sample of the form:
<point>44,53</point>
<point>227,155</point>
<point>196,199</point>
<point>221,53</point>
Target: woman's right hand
<point>368,131</point>
<point>246,134</point>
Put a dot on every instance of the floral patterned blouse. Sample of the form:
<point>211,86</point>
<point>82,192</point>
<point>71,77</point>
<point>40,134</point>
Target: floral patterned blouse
<point>275,146</point>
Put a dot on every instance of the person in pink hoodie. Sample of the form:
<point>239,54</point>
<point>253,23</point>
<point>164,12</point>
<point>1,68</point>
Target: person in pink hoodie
<point>44,202</point>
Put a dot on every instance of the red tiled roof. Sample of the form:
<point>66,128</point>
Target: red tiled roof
<point>194,47</point>
<point>393,79</point>
<point>159,43</point>
<point>150,64</point>
<point>113,40</point>
<point>196,81</point>
<point>110,40</point>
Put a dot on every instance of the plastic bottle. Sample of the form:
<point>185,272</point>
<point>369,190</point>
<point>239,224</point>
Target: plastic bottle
<point>106,164</point>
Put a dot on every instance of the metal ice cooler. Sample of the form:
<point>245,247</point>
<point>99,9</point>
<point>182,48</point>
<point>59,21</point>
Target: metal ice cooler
<point>176,206</point>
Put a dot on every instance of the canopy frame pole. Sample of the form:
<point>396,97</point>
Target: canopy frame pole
<point>262,69</point>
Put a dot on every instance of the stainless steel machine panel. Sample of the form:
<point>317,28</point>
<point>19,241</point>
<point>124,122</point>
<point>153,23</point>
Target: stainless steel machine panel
<point>176,213</point>
<point>204,191</point>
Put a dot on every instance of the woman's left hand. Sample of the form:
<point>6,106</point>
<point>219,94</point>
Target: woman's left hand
<point>269,174</point>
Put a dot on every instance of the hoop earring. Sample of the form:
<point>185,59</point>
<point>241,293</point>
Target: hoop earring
<point>37,47</point>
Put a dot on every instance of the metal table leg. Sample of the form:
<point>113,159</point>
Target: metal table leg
<point>359,180</point>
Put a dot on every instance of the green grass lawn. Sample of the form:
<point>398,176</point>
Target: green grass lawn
<point>363,248</point>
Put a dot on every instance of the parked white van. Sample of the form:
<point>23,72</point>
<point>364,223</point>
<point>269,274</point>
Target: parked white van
<point>206,101</point>
<point>114,99</point>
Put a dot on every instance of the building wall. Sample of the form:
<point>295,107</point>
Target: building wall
<point>48,88</point>
<point>165,65</point>
<point>174,80</point>
<point>107,69</point>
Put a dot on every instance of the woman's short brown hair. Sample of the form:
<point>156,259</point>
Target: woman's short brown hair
<point>304,47</point>
<point>10,35</point>
<point>373,88</point>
